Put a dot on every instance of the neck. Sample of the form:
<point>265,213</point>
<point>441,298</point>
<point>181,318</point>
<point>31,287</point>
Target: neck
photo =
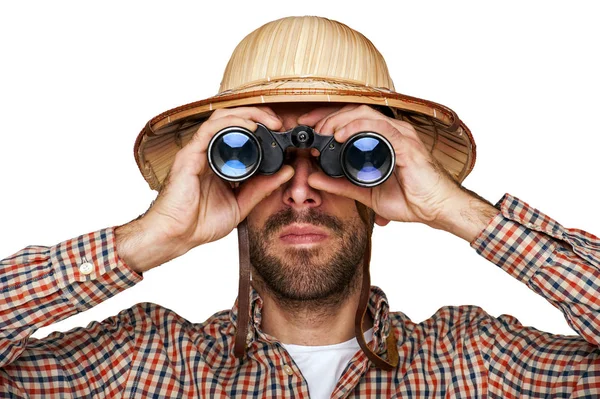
<point>325,321</point>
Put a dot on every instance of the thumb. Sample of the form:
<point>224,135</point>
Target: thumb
<point>340,186</point>
<point>257,188</point>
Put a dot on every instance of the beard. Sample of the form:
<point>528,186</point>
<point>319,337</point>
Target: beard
<point>317,278</point>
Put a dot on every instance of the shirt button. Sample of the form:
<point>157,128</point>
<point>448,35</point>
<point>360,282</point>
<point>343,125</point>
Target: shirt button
<point>288,370</point>
<point>86,268</point>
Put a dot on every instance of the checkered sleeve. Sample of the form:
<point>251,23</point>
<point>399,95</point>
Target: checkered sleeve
<point>561,264</point>
<point>42,285</point>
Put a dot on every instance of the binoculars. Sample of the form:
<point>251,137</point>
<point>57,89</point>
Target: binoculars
<point>367,159</point>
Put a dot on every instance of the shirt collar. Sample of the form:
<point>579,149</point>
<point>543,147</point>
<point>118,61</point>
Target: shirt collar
<point>377,306</point>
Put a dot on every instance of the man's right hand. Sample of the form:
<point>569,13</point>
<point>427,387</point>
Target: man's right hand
<point>195,206</point>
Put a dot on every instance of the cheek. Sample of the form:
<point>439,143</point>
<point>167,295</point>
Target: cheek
<point>338,205</point>
<point>264,209</point>
<point>255,219</point>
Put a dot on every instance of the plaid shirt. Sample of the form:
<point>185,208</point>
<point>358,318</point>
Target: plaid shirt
<point>149,351</point>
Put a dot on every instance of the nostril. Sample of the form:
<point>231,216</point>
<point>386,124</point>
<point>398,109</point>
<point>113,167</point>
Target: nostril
<point>309,201</point>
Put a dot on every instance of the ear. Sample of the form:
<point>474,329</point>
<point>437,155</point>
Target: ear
<point>381,221</point>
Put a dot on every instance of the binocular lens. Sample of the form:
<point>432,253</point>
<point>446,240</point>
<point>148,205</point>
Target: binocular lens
<point>234,155</point>
<point>367,160</point>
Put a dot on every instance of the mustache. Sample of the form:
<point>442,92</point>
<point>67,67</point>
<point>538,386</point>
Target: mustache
<point>313,216</point>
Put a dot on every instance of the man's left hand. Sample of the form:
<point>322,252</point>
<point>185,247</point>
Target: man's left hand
<point>419,189</point>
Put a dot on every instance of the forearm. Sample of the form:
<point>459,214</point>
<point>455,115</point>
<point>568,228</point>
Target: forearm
<point>141,249</point>
<point>43,285</point>
<point>465,215</point>
<point>560,264</point>
<point>97,361</point>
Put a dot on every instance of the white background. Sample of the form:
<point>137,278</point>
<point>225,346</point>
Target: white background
<point>79,80</point>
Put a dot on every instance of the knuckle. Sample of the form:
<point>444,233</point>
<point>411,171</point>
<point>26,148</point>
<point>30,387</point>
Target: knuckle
<point>242,116</point>
<point>179,159</point>
<point>210,128</point>
<point>383,124</point>
<point>361,125</point>
<point>407,127</point>
<point>198,137</point>
<point>265,109</point>
<point>198,133</point>
<point>349,107</point>
<point>364,124</point>
<point>218,113</point>
<point>231,118</point>
<point>365,108</point>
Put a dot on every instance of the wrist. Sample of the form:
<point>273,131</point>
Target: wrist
<point>141,248</point>
<point>465,215</point>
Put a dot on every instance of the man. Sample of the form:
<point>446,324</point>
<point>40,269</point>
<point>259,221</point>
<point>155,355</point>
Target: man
<point>308,237</point>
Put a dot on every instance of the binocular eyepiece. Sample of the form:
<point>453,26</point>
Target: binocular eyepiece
<point>367,159</point>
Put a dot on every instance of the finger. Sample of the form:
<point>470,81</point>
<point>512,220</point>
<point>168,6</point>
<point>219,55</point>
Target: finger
<point>340,186</point>
<point>407,149</point>
<point>193,156</point>
<point>201,139</point>
<point>321,125</point>
<point>405,128</point>
<point>257,188</point>
<point>380,126</point>
<point>261,114</point>
<point>269,111</point>
<point>339,119</point>
<point>317,114</point>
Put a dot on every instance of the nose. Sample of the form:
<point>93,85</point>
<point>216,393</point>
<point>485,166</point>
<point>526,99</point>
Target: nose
<point>297,193</point>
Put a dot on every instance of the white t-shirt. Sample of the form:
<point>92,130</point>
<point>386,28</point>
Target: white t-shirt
<point>322,366</point>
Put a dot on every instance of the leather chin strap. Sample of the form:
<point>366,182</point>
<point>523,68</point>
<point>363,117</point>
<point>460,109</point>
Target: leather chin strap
<point>243,316</point>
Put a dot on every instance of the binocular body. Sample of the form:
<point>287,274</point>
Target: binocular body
<point>235,153</point>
